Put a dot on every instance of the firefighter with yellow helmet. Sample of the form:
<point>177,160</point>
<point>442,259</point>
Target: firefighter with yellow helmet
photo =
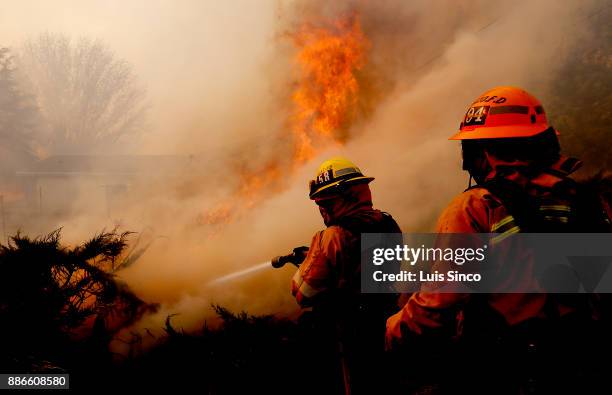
<point>342,194</point>
<point>328,280</point>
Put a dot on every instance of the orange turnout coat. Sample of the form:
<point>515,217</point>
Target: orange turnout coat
<point>477,210</point>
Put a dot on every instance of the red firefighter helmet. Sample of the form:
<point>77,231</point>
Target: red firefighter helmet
<point>503,112</point>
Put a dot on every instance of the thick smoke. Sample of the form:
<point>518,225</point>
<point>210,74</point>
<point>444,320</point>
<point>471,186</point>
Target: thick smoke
<point>220,75</point>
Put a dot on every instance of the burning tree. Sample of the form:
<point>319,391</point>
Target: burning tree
<point>88,98</point>
<point>48,292</point>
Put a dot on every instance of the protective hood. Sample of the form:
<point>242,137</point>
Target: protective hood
<point>356,201</point>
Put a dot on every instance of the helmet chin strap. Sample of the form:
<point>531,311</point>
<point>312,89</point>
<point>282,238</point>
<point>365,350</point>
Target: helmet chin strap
<point>478,177</point>
<point>477,166</point>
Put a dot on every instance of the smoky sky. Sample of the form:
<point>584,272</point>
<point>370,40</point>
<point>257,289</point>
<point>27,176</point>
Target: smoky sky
<point>219,75</point>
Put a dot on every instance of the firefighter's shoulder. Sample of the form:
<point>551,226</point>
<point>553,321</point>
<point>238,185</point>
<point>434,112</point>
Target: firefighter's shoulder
<point>469,211</point>
<point>334,233</point>
<point>333,238</point>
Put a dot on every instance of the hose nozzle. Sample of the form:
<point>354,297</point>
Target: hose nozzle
<point>296,258</point>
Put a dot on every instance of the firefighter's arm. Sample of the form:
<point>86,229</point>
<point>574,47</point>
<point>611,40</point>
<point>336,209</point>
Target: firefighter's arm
<point>425,314</point>
<point>429,313</point>
<point>313,277</point>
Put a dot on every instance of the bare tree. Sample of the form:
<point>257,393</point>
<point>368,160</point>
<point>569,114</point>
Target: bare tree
<point>89,99</point>
<point>19,118</point>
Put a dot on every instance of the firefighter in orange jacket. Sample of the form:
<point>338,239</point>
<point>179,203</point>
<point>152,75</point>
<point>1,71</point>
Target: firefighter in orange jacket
<point>331,269</point>
<point>329,279</point>
<point>514,155</point>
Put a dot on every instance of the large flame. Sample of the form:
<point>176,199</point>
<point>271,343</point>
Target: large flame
<point>325,103</point>
<point>328,89</point>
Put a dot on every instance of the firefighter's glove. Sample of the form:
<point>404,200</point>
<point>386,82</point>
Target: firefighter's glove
<point>300,254</point>
<point>396,331</point>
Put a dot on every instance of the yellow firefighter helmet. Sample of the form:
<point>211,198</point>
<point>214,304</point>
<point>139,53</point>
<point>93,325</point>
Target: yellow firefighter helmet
<point>335,173</point>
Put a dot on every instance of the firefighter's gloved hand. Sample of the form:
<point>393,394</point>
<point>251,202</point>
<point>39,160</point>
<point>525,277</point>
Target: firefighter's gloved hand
<point>396,330</point>
<point>300,254</point>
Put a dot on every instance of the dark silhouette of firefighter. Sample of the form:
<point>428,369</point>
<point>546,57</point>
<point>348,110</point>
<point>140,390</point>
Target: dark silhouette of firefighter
<point>513,342</point>
<point>349,324</point>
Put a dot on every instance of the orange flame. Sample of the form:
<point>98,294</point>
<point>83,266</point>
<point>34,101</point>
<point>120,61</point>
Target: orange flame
<point>325,104</point>
<point>328,89</point>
